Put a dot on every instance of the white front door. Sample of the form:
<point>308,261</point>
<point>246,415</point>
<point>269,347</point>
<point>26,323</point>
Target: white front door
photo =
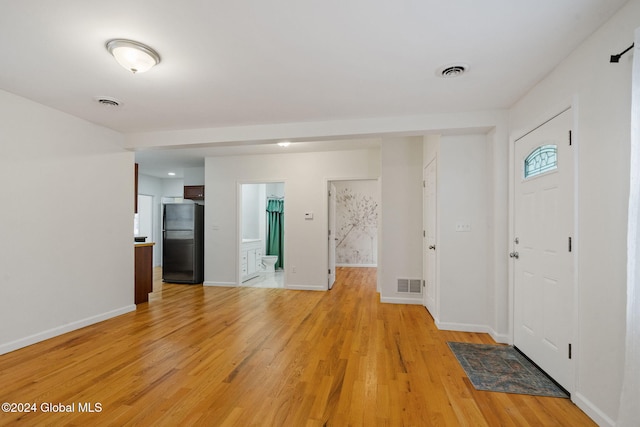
<point>429,242</point>
<point>543,247</point>
<point>332,234</point>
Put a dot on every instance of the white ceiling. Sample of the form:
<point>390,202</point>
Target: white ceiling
<point>246,62</point>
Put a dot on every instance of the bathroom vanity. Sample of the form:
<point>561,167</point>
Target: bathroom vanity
<point>250,258</point>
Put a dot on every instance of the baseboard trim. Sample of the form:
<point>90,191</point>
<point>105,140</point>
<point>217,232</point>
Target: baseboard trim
<point>356,265</point>
<point>463,327</point>
<point>63,329</point>
<point>305,287</point>
<point>399,300</point>
<point>591,410</point>
<point>499,338</point>
<point>220,284</point>
<point>469,327</point>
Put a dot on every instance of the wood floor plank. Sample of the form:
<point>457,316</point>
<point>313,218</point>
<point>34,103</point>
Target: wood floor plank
<point>216,356</point>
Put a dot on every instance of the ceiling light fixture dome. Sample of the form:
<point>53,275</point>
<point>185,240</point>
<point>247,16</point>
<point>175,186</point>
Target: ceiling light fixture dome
<point>134,56</point>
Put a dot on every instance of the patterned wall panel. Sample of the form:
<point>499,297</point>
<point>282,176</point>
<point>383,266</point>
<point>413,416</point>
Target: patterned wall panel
<point>357,210</point>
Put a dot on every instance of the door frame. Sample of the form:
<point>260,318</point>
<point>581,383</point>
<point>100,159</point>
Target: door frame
<point>326,182</point>
<point>239,225</point>
<point>547,115</point>
<point>331,235</point>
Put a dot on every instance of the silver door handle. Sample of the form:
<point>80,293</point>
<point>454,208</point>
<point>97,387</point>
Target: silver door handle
<point>432,247</point>
<point>515,255</point>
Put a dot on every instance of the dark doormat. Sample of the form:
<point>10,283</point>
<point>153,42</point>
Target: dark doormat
<point>503,369</point>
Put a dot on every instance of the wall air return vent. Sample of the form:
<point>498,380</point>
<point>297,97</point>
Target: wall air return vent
<point>409,286</point>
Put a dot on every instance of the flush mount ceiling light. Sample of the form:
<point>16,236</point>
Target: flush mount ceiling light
<point>135,57</point>
<point>284,143</point>
<point>452,70</point>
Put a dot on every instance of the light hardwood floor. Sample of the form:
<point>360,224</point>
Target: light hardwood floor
<point>265,357</point>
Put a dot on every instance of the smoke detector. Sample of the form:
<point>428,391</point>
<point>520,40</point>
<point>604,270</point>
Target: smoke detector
<point>108,101</point>
<point>452,70</point>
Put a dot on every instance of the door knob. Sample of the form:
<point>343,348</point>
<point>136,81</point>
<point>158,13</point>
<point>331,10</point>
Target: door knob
<point>515,255</point>
<point>432,247</point>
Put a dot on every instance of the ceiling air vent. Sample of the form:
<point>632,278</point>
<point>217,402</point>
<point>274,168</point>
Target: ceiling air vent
<point>451,71</point>
<point>111,102</point>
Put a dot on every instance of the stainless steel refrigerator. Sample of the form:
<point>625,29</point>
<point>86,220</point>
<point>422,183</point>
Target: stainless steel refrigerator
<point>183,243</point>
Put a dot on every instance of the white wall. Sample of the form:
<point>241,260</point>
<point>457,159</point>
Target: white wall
<point>497,244</point>
<point>305,176</point>
<point>467,280</point>
<point>601,93</point>
<point>275,189</point>
<point>193,176</point>
<point>173,187</point>
<point>462,256</point>
<point>66,258</point>
<point>400,243</point>
<point>251,210</point>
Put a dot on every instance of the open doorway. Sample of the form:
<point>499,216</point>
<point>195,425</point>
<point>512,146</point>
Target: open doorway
<point>353,224</point>
<point>261,235</point>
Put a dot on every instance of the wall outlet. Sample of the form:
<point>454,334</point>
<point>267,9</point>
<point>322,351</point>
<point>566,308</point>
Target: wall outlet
<point>293,269</point>
<point>463,227</point>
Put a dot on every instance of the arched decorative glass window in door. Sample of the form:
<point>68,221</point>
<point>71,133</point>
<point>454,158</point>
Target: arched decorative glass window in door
<point>541,160</point>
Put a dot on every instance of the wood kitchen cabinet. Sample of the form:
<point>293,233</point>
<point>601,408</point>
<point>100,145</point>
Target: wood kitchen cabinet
<point>135,188</point>
<point>143,272</point>
<point>194,192</point>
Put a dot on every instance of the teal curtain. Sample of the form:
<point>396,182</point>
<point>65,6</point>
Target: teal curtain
<point>275,238</point>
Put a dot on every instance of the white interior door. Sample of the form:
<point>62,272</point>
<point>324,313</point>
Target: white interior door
<point>332,234</point>
<point>543,247</point>
<point>429,242</point>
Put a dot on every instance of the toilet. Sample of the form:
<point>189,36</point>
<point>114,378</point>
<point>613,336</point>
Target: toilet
<point>269,262</point>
